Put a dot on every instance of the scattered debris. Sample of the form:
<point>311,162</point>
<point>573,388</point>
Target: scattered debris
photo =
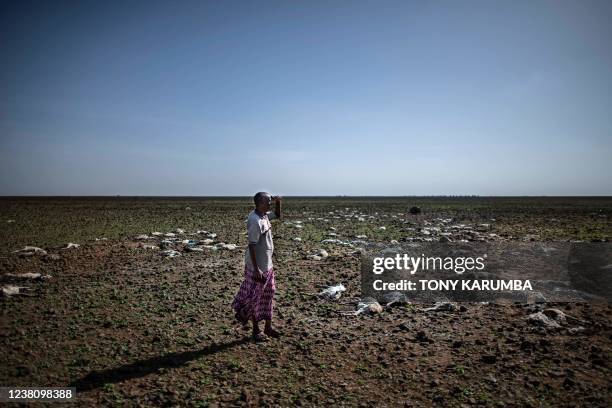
<point>441,307</point>
<point>223,245</point>
<point>319,255</point>
<point>30,250</point>
<point>297,239</point>
<point>576,330</point>
<point>540,319</point>
<point>333,292</point>
<point>336,241</point>
<point>193,249</point>
<point>10,290</point>
<point>170,253</point>
<point>531,238</point>
<point>28,276</point>
<point>72,245</point>
<point>368,306</point>
<point>552,318</point>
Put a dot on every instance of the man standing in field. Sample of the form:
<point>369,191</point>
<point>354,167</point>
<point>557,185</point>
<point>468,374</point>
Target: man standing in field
<point>254,299</point>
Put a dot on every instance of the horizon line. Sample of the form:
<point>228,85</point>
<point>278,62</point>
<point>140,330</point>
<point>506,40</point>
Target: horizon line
<point>311,196</point>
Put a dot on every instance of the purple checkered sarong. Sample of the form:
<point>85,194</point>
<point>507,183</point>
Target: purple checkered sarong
<point>254,299</point>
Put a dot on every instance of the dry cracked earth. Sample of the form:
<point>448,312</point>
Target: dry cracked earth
<point>127,325</point>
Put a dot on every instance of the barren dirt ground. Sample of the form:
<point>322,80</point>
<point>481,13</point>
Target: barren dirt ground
<point>124,324</point>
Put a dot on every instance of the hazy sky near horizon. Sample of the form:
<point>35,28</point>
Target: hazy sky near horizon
<point>306,97</point>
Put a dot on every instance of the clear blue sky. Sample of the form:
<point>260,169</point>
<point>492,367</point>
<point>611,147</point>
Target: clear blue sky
<point>310,98</point>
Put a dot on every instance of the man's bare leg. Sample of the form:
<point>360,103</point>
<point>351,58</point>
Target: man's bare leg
<point>256,330</point>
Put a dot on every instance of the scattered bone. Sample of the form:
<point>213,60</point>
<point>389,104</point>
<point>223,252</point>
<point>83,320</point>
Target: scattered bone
<point>542,320</point>
<point>10,221</point>
<point>552,318</point>
<point>148,246</point>
<point>10,290</point>
<point>71,245</point>
<point>166,243</point>
<point>193,249</point>
<point>336,241</point>
<point>169,234</point>
<point>170,253</point>
<point>441,307</point>
<point>207,241</point>
<point>531,237</point>
<point>562,317</point>
<point>368,306</point>
<point>143,237</point>
<point>319,255</point>
<point>361,237</point>
<point>28,276</point>
<point>297,239</point>
<point>179,231</point>
<point>156,233</point>
<point>333,292</point>
<point>576,330</point>
<point>30,250</point>
<point>556,315</point>
<point>223,245</point>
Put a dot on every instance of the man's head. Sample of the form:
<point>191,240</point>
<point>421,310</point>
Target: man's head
<point>263,201</point>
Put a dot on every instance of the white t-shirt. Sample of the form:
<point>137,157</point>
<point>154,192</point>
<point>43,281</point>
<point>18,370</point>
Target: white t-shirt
<point>259,232</point>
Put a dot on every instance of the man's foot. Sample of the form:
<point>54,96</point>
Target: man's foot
<point>259,337</point>
<point>270,331</point>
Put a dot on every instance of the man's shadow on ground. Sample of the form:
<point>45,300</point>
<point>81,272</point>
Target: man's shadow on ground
<point>141,368</point>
